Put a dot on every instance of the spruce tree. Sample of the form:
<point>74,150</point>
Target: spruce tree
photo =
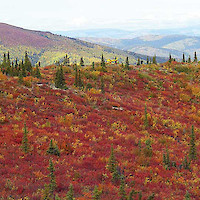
<point>186,164</point>
<point>122,192</point>
<point>27,63</point>
<point>154,60</point>
<point>189,59</point>
<point>130,196</point>
<point>53,149</point>
<point>170,58</point>
<point>187,196</point>
<point>183,57</point>
<point>195,56</point>
<point>52,185</point>
<point>96,194</point>
<point>25,146</point>
<point>146,121</point>
<point>127,64</point>
<point>59,78</point>
<point>76,76</point>
<point>151,197</point>
<point>37,71</point>
<point>103,65</point>
<point>81,62</point>
<point>147,60</point>
<point>138,62</point>
<point>93,65</point>
<point>23,69</point>
<point>112,160</point>
<point>70,193</point>
<point>192,151</point>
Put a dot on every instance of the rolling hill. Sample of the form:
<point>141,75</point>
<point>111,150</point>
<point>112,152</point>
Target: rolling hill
<point>161,45</point>
<point>47,47</point>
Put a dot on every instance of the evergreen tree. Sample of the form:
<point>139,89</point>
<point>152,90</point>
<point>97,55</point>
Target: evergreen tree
<point>122,192</point>
<point>23,69</point>
<point>27,63</point>
<point>53,149</point>
<point>140,196</point>
<point>66,60</point>
<point>166,160</point>
<point>46,193</point>
<point>192,151</point>
<point>81,62</point>
<point>37,71</point>
<point>183,57</point>
<point>147,60</point>
<point>189,59</point>
<point>146,121</point>
<point>195,56</point>
<point>130,196</point>
<point>93,65</point>
<point>59,78</point>
<point>25,146</point>
<point>170,58</point>
<point>70,193</point>
<point>186,164</point>
<point>112,161</point>
<point>154,60</point>
<point>4,61</point>
<point>103,64</point>
<point>127,64</point>
<point>96,194</point>
<point>76,75</point>
<point>80,83</point>
<point>151,197</point>
<point>187,196</point>
<point>20,77</point>
<point>52,185</point>
<point>138,62</point>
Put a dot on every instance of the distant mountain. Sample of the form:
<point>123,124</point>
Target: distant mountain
<point>161,45</point>
<point>47,47</point>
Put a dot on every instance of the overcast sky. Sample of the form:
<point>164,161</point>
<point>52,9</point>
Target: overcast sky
<point>55,15</point>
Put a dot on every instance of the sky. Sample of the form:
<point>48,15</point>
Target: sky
<point>65,15</point>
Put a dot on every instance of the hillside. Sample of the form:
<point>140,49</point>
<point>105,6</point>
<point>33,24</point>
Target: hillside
<point>47,47</point>
<point>161,45</point>
<point>144,117</point>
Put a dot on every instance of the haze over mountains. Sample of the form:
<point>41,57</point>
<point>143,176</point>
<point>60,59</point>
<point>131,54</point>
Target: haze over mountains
<point>48,48</point>
<point>161,42</point>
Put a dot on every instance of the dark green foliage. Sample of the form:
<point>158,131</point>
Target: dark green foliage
<point>195,56</point>
<point>148,149</point>
<point>140,196</point>
<point>81,62</point>
<point>37,71</point>
<point>127,64</point>
<point>166,160</point>
<point>122,192</point>
<point>96,193</point>
<point>23,69</point>
<point>186,163</point>
<point>183,57</point>
<point>53,149</point>
<point>187,196</point>
<point>66,61</point>
<point>192,151</point>
<point>154,60</point>
<point>138,62</point>
<point>20,78</point>
<point>27,63</point>
<point>70,193</point>
<point>147,60</point>
<point>93,65</point>
<point>59,78</point>
<point>151,197</point>
<point>189,59</point>
<point>25,146</point>
<point>103,64</point>
<point>146,121</point>
<point>52,185</point>
<point>112,161</point>
<point>170,58</point>
<point>132,192</point>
